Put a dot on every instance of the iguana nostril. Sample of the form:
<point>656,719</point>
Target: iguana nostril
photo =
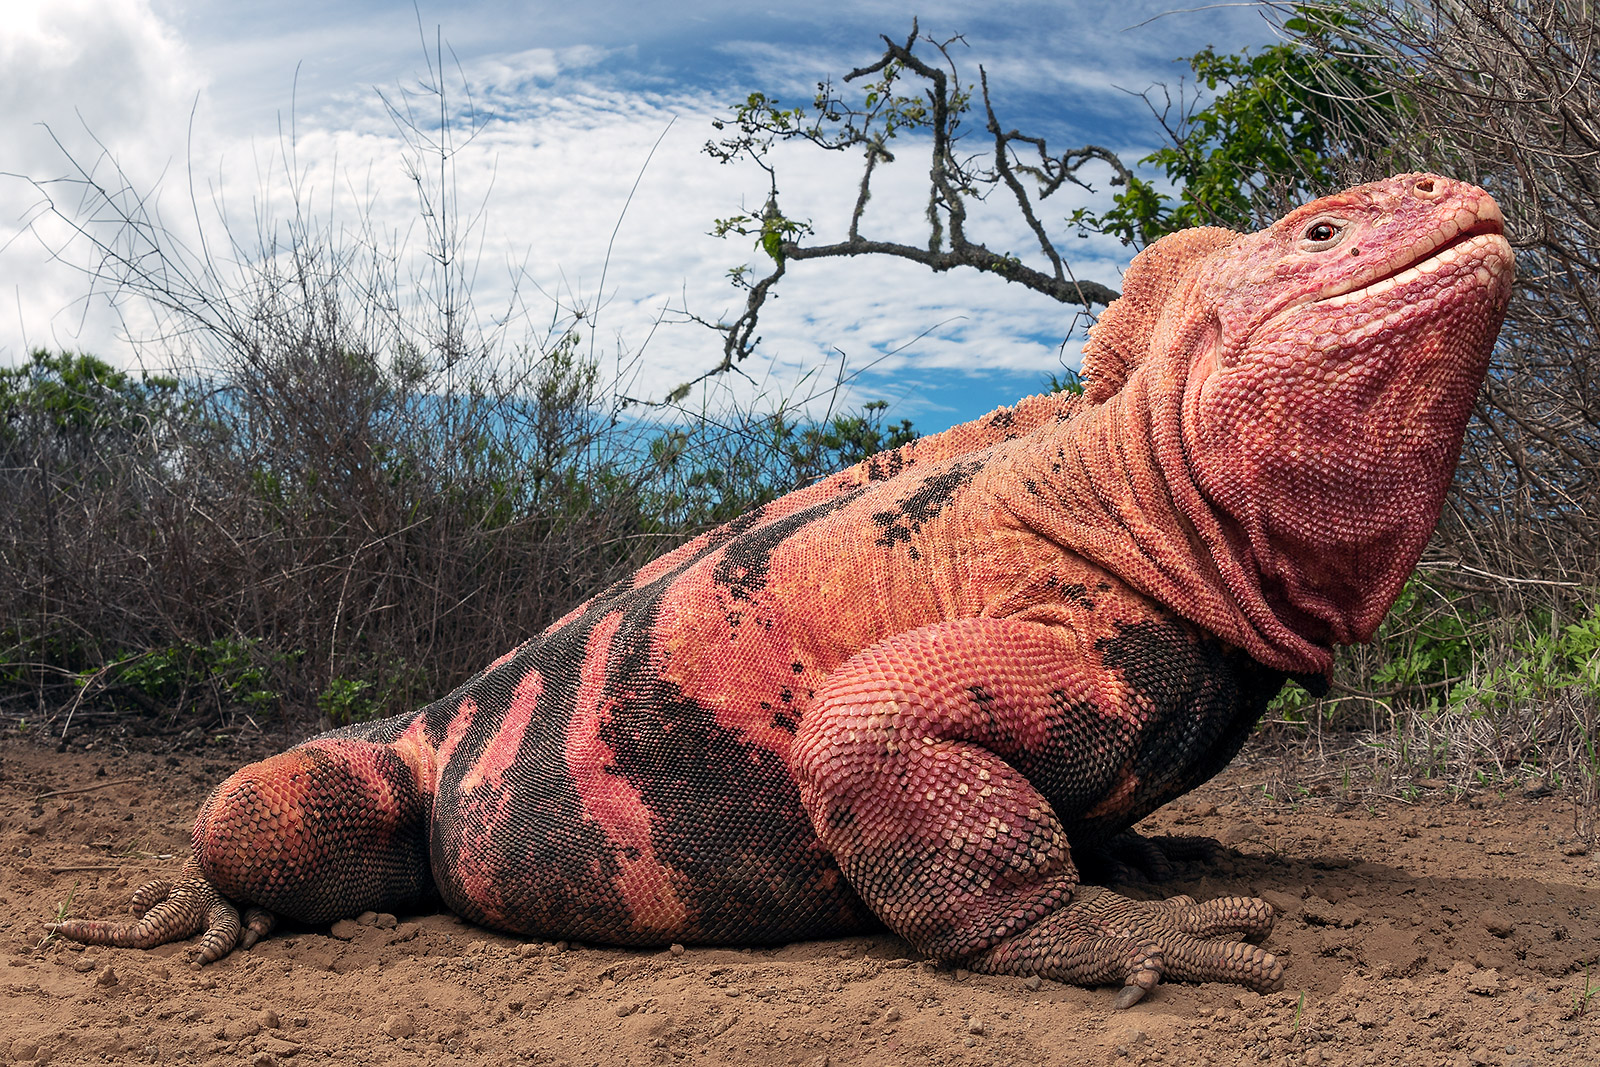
<point>1425,185</point>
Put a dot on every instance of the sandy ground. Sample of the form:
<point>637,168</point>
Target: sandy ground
<point>1417,930</point>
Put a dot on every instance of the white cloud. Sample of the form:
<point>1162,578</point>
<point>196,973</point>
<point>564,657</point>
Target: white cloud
<point>566,126</point>
<point>68,67</point>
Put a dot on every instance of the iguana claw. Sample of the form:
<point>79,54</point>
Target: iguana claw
<point>171,911</point>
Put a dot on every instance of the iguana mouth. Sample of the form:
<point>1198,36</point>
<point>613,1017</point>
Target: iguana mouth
<point>1472,243</point>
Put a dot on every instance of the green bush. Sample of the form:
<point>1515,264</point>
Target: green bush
<point>228,674</point>
<point>319,531</point>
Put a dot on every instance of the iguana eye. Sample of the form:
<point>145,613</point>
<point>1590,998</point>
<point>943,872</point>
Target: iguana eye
<point>1323,233</point>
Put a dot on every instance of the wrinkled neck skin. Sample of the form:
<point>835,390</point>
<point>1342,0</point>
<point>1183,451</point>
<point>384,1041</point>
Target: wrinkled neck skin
<point>1280,414</point>
<point>1116,490</point>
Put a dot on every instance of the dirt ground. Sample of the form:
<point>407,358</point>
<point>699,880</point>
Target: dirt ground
<point>1417,929</point>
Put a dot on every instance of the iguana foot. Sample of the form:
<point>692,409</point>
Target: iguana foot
<point>1102,938</point>
<point>170,911</point>
<point>1130,858</point>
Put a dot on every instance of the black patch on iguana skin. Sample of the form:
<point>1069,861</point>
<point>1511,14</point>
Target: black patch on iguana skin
<point>725,814</point>
<point>745,565</point>
<point>930,497</point>
<point>882,466</point>
<point>553,867</point>
<point>1200,698</point>
<point>1073,592</point>
<point>1082,757</point>
<point>556,864</point>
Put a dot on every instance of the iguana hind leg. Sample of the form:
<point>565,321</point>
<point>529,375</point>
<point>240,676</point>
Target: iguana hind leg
<point>326,830</point>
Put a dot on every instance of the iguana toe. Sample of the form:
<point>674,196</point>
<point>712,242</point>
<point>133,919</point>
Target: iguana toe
<point>171,911</point>
<point>258,923</point>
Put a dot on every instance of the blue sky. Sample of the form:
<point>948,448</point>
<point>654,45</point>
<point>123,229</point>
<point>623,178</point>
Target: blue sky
<point>573,96</point>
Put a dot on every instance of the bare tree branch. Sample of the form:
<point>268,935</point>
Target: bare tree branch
<point>935,110</point>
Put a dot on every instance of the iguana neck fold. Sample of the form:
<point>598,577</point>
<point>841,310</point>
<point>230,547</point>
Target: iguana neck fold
<point>1114,489</point>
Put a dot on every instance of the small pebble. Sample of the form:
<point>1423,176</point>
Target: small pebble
<point>344,930</point>
<point>676,949</point>
<point>269,1019</point>
<point>399,1026</point>
<point>1032,982</point>
<point>367,918</point>
<point>1485,983</point>
<point>106,978</point>
<point>1497,923</point>
<point>239,1029</point>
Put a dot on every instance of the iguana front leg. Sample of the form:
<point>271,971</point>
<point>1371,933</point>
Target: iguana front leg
<point>323,831</point>
<point>907,765</point>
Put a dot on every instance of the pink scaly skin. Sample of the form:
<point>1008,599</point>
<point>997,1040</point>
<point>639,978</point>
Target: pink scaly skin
<point>919,692</point>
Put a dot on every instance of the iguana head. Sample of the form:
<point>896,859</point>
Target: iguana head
<point>1313,382</point>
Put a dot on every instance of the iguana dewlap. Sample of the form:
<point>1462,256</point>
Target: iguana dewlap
<point>912,692</point>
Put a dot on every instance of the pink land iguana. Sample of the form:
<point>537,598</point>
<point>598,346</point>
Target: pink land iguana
<point>912,693</point>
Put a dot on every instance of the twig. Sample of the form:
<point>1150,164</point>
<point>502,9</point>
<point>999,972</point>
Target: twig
<point>1450,563</point>
<point>85,788</point>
